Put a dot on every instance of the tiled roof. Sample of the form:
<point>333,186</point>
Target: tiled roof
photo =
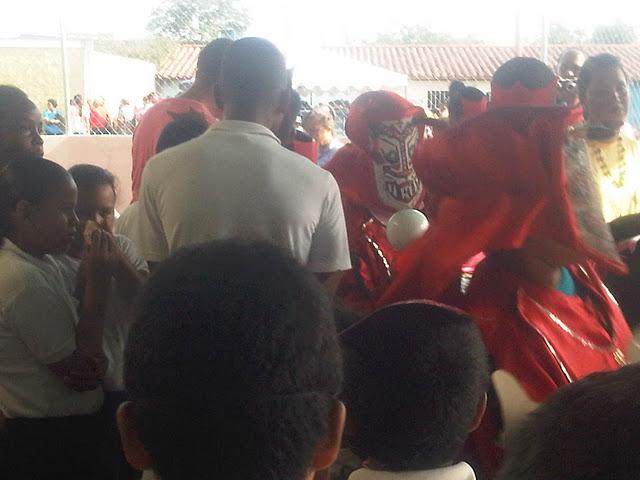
<point>423,62</point>
<point>181,63</point>
<point>469,62</point>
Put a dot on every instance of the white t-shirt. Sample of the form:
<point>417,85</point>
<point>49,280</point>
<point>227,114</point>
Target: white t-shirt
<point>460,471</point>
<point>126,220</point>
<point>117,319</point>
<point>38,320</point>
<point>237,181</point>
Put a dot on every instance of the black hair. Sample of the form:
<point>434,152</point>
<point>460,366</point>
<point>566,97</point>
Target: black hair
<point>415,376</point>
<point>180,131</point>
<point>588,430</point>
<point>12,100</point>
<point>233,364</point>
<point>89,177</point>
<point>289,119</point>
<point>53,102</point>
<point>530,72</point>
<point>457,92</point>
<point>602,61</point>
<point>253,73</point>
<point>210,60</point>
<point>28,178</point>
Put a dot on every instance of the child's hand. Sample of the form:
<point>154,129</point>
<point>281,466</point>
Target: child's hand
<point>101,256</point>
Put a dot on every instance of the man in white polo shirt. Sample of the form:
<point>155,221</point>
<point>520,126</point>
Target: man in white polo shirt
<point>237,181</point>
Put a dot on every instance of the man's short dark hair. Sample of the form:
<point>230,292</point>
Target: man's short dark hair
<point>589,430</point>
<point>253,73</point>
<point>233,364</point>
<point>180,131</point>
<point>210,60</point>
<point>530,72</point>
<point>53,102</point>
<point>415,375</point>
<point>603,61</point>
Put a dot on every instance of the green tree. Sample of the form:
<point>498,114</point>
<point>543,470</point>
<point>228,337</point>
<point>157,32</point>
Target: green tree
<point>561,35</point>
<point>618,33</point>
<point>417,34</point>
<point>198,21</point>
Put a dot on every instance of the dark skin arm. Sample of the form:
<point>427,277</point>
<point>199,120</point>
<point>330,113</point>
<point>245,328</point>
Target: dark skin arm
<point>626,227</point>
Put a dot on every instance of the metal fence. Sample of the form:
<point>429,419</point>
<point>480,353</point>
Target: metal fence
<point>103,82</point>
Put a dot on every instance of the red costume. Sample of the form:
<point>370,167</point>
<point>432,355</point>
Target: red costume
<point>376,178</point>
<point>504,178</point>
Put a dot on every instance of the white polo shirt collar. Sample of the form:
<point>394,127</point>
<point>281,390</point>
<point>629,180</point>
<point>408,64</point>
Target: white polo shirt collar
<point>460,471</point>
<point>239,126</point>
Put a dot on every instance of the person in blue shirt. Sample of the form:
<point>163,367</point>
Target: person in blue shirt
<point>52,119</point>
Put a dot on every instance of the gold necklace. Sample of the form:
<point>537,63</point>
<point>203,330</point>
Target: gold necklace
<point>618,354</point>
<point>597,154</point>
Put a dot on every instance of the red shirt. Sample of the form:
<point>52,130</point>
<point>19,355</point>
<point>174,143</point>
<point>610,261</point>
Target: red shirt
<point>150,127</point>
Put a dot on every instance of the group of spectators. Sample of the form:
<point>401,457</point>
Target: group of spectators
<point>247,316</point>
<point>92,116</point>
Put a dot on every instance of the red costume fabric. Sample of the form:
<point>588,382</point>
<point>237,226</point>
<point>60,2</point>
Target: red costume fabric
<point>376,178</point>
<point>577,115</point>
<point>499,179</point>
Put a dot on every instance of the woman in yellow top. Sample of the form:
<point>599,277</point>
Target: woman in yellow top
<point>613,148</point>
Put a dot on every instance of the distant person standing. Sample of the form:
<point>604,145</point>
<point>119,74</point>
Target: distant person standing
<point>197,102</point>
<point>125,118</point>
<point>78,116</point>
<point>237,181</point>
<point>52,119</point>
<point>99,118</point>
<point>320,124</point>
<point>569,67</point>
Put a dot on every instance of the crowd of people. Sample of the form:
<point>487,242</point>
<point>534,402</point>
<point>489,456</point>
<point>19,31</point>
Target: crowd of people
<point>250,315</point>
<point>92,117</point>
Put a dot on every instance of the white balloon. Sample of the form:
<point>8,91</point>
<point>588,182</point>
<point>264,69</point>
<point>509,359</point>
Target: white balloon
<point>405,226</point>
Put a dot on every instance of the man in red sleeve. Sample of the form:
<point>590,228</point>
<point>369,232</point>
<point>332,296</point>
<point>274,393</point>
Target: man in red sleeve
<point>197,102</point>
<point>376,179</point>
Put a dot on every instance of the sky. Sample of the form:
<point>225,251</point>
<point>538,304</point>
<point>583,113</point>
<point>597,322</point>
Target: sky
<point>299,24</point>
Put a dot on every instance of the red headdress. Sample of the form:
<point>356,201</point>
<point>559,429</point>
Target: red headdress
<point>376,169</point>
<point>500,178</point>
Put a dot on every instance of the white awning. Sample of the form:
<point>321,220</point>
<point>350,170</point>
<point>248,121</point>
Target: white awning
<point>320,73</point>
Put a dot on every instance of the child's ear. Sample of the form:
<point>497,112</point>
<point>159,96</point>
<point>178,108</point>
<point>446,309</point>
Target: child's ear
<point>134,450</point>
<point>329,447</point>
<point>482,408</point>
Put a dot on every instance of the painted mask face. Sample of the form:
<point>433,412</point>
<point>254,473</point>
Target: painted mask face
<point>393,145</point>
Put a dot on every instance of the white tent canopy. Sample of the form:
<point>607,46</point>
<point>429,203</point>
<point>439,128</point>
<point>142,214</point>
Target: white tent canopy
<point>323,73</point>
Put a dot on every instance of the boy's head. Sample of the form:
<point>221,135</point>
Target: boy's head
<point>20,124</point>
<point>416,376</point>
<point>181,130</point>
<point>232,366</point>
<point>589,430</point>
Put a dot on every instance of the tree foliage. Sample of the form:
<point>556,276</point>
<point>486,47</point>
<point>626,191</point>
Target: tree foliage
<point>561,35</point>
<point>198,21</point>
<point>417,34</point>
<point>618,33</point>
